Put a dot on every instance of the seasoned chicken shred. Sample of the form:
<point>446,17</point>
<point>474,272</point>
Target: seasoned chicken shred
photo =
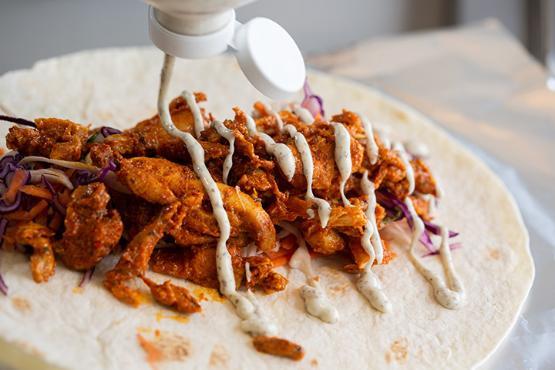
<point>146,205</point>
<point>92,230</point>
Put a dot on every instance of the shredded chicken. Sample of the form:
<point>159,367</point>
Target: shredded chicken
<point>39,238</point>
<point>162,217</point>
<point>53,138</point>
<point>134,260</point>
<point>262,276</point>
<point>173,296</point>
<point>197,264</point>
<point>91,229</point>
<point>278,347</point>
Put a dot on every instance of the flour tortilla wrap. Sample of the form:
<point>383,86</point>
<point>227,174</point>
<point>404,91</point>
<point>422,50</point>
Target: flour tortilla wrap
<point>57,324</point>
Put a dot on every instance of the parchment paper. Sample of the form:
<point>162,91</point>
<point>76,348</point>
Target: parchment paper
<point>481,85</point>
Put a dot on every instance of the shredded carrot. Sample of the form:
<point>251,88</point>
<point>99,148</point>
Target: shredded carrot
<point>37,209</point>
<point>280,261</point>
<point>279,253</point>
<point>56,222</point>
<point>289,242</point>
<point>36,191</point>
<point>18,179</point>
<point>259,106</point>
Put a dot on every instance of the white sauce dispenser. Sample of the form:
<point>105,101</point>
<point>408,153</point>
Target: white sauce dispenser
<point>192,29</point>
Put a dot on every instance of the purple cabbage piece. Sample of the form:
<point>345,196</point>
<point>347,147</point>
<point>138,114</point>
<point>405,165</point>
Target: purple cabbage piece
<point>3,225</point>
<point>3,286</point>
<point>452,246</point>
<point>85,177</point>
<point>4,208</point>
<point>87,276</point>
<point>55,201</point>
<point>7,169</point>
<point>8,164</point>
<point>19,121</point>
<point>390,203</point>
<point>436,230</point>
<point>312,102</point>
<point>107,131</point>
<point>103,133</point>
<point>427,242</point>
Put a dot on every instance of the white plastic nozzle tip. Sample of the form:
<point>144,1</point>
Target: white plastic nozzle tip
<point>270,58</point>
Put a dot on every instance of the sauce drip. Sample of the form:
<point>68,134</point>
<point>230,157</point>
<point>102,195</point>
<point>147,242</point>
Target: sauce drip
<point>303,114</point>
<point>279,121</point>
<point>257,323</point>
<point>324,208</point>
<point>386,142</point>
<point>417,149</point>
<point>253,321</point>
<point>228,135</point>
<point>195,110</point>
<point>400,150</point>
<point>452,296</point>
<point>282,153</point>
<point>371,241</point>
<point>371,146</point>
<point>316,302</point>
<point>369,285</point>
<point>432,203</point>
<point>251,125</point>
<point>343,157</point>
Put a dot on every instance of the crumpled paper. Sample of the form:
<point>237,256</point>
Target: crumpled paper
<point>480,84</point>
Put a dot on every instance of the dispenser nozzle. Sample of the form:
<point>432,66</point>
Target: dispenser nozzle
<point>267,54</point>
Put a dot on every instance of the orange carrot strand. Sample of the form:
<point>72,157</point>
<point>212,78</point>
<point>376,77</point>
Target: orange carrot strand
<point>36,191</point>
<point>17,181</point>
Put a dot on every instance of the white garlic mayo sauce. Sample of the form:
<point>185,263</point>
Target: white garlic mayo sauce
<point>383,133</point>
<point>324,208</point>
<point>400,150</point>
<point>452,295</point>
<point>278,119</point>
<point>303,114</point>
<point>316,302</point>
<point>371,288</point>
<point>368,283</point>
<point>432,203</point>
<point>282,153</point>
<point>228,135</point>
<point>371,146</point>
<point>343,157</point>
<point>371,241</point>
<point>254,322</point>
<point>417,149</point>
<point>195,110</point>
